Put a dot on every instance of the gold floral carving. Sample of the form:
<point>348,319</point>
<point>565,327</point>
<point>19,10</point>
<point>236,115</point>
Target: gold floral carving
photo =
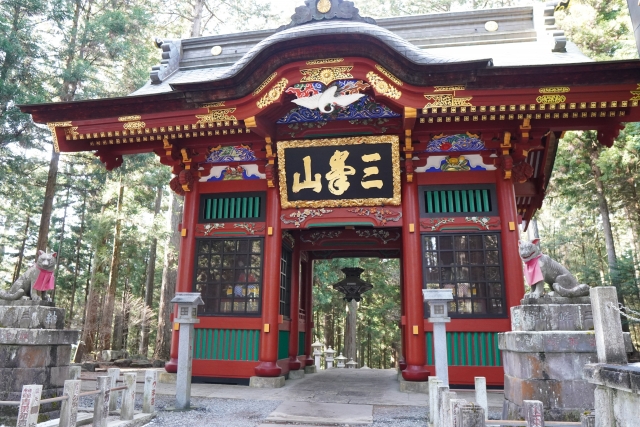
<point>274,94</point>
<point>324,6</point>
<point>214,104</point>
<point>326,75</point>
<point>129,118</point>
<point>380,139</point>
<point>71,132</point>
<point>449,88</point>
<point>250,227</point>
<point>447,100</point>
<point>264,84</point>
<point>52,127</point>
<point>555,89</point>
<point>298,217</point>
<point>217,116</point>
<point>382,87</point>
<point>551,99</point>
<point>389,75</point>
<point>325,61</point>
<point>134,125</point>
<point>636,94</point>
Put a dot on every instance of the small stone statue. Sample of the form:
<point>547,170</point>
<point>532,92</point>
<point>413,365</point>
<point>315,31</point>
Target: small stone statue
<point>38,277</point>
<point>539,268</point>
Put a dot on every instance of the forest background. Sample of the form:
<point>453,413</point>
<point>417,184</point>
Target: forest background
<point>116,233</point>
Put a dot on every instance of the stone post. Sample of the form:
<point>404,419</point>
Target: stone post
<point>481,393</point>
<point>588,420</point>
<point>607,326</point>
<point>604,407</point>
<point>533,413</point>
<point>128,397</point>
<point>472,416</point>
<point>113,374</point>
<point>29,405</point>
<point>101,402</point>
<point>187,317</point>
<point>74,372</point>
<point>456,404</point>
<point>445,407</point>
<point>149,396</point>
<point>438,300</point>
<point>434,383</point>
<point>69,408</point>
<point>441,401</point>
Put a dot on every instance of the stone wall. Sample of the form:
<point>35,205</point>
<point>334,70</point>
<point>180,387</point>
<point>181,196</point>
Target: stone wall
<point>617,394</point>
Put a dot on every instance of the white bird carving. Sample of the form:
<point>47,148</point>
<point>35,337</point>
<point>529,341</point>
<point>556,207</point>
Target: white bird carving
<point>325,102</point>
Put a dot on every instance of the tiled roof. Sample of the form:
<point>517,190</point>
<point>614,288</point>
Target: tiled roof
<point>452,37</point>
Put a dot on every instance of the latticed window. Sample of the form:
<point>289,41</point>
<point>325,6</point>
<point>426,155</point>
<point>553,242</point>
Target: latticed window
<point>454,200</point>
<point>228,274</point>
<point>471,266</point>
<point>231,207</point>
<point>285,282</point>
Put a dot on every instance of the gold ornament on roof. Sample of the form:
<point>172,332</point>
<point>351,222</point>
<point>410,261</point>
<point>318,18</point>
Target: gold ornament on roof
<point>389,75</point>
<point>324,6</point>
<point>134,125</point>
<point>636,94</point>
<point>382,87</point>
<point>217,116</point>
<point>325,61</point>
<point>213,104</point>
<point>449,88</point>
<point>264,84</point>
<point>129,118</point>
<point>326,75</point>
<point>551,99</point>
<point>274,94</point>
<point>52,127</point>
<point>554,90</point>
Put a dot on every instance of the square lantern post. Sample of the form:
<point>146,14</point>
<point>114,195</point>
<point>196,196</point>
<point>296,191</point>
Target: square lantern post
<point>186,317</point>
<point>438,300</point>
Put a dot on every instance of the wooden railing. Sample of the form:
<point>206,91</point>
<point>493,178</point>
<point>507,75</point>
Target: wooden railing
<point>106,394</point>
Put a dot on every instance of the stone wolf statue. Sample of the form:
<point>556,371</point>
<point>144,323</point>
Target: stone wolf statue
<point>38,277</point>
<point>540,268</point>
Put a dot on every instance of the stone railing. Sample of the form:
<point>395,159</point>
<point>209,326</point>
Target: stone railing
<point>105,400</point>
<point>446,410</point>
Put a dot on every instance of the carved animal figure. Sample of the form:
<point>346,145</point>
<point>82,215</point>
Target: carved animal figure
<point>540,268</point>
<point>326,102</point>
<point>38,277</point>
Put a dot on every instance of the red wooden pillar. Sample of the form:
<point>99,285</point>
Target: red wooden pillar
<point>513,276</point>
<point>271,289</point>
<point>416,348</point>
<point>185,261</point>
<point>308,310</point>
<point>294,363</point>
<point>402,364</point>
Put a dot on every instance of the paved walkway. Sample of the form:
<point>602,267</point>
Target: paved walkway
<point>350,386</point>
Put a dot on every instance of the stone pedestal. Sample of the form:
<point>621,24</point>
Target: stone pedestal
<point>34,349</point>
<point>543,357</point>
<point>310,369</point>
<point>296,375</point>
<point>413,386</point>
<point>266,382</point>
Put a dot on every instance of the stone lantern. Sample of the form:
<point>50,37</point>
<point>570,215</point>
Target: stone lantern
<point>352,286</point>
<point>186,317</point>
<point>317,352</point>
<point>340,361</point>
<point>328,357</point>
<point>351,364</point>
<point>438,300</point>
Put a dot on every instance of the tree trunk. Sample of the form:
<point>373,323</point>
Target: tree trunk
<point>110,297</point>
<point>196,27</point>
<point>151,273</point>
<point>603,206</point>
<point>59,256</point>
<point>47,206</point>
<point>169,280</point>
<point>16,272</point>
<point>92,305</point>
<point>350,344</point>
<point>76,268</point>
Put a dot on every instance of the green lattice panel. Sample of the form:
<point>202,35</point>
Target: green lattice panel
<point>283,344</point>
<point>468,349</point>
<point>226,344</point>
<point>301,336</point>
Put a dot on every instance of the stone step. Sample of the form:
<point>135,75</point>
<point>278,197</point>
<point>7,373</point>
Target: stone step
<point>319,414</point>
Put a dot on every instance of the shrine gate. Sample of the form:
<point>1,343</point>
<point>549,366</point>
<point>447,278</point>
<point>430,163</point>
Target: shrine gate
<point>426,138</point>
